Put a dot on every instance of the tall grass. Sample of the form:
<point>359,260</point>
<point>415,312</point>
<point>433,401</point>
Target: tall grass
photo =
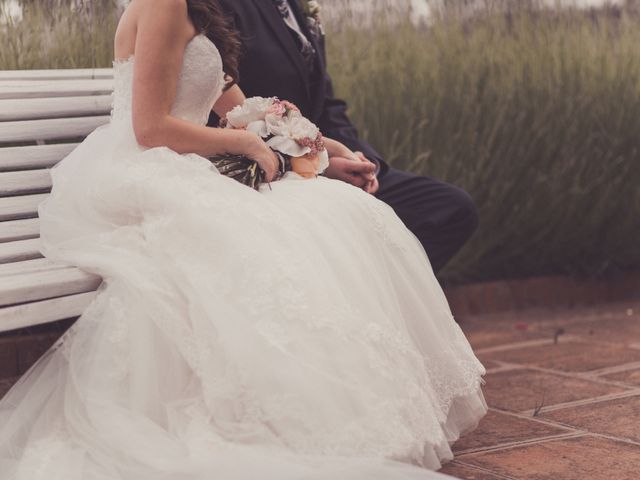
<point>58,34</point>
<point>536,114</point>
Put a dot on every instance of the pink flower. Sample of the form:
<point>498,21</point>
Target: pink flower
<point>278,109</point>
<point>315,144</point>
<point>289,106</point>
<point>252,110</point>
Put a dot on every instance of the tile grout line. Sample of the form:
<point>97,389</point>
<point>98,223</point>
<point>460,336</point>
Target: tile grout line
<point>588,376</point>
<point>527,343</point>
<point>533,442</point>
<point>563,339</point>
<point>616,369</point>
<point>617,439</point>
<point>482,469</point>
<point>613,383</point>
<point>540,420</point>
<point>566,338</point>
<point>595,434</point>
<point>591,376</point>
<point>587,401</point>
<point>524,443</point>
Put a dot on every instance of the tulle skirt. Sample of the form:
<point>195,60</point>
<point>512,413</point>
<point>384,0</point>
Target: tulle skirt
<point>293,333</point>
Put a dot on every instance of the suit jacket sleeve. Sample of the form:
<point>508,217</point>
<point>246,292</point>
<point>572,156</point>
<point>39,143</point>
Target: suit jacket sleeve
<point>335,123</point>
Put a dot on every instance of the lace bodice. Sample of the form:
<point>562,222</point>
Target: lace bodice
<point>199,85</point>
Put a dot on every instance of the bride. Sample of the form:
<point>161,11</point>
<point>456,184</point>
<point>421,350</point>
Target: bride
<point>290,333</point>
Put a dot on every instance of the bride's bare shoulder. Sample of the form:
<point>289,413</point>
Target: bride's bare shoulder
<point>156,14</point>
<point>159,6</point>
<point>142,10</point>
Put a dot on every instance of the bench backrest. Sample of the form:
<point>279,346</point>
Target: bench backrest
<point>43,116</point>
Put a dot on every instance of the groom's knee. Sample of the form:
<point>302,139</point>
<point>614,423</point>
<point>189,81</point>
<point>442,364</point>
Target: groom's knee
<point>466,217</point>
<point>457,220</point>
<point>451,210</point>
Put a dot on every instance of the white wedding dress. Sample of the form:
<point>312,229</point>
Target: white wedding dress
<point>287,334</point>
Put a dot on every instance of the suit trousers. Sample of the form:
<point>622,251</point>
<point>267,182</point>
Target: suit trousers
<point>442,216</point>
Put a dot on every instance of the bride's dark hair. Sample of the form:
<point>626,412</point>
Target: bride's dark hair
<point>208,18</point>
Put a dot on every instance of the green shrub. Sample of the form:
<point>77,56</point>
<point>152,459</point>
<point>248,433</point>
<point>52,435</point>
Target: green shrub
<point>537,115</point>
<point>58,34</point>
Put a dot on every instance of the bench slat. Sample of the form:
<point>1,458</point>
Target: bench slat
<point>25,206</point>
<point>34,156</point>
<point>36,313</point>
<point>27,181</point>
<point>19,229</point>
<point>37,108</point>
<point>61,74</point>
<point>47,89</point>
<point>20,250</point>
<point>51,129</point>
<point>30,266</point>
<point>28,287</point>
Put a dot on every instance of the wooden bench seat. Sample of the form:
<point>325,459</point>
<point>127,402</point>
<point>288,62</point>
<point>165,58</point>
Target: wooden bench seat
<point>43,116</point>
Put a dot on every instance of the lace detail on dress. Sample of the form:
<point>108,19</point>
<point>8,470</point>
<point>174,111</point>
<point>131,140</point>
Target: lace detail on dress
<point>398,423</point>
<point>200,83</point>
<point>380,218</point>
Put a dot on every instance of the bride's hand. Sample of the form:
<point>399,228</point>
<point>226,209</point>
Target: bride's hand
<point>259,151</point>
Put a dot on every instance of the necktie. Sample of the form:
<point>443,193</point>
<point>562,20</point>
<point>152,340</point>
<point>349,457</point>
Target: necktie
<point>305,46</point>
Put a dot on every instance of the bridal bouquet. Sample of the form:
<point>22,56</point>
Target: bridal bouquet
<point>297,141</point>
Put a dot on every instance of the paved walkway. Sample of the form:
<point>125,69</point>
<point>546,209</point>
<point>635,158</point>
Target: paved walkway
<point>563,387</point>
<point>564,394</point>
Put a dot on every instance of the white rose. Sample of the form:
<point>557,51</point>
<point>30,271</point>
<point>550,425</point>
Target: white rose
<point>295,126</point>
<point>253,109</point>
<point>259,127</point>
<point>277,125</point>
<point>300,127</point>
<point>288,146</point>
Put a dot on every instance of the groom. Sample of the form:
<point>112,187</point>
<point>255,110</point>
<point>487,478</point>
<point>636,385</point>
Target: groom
<point>284,56</point>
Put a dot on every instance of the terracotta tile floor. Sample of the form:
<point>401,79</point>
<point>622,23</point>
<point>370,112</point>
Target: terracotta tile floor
<point>563,389</point>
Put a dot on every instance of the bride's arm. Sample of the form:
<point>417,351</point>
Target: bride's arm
<point>345,165</point>
<point>162,33</point>
<point>229,99</point>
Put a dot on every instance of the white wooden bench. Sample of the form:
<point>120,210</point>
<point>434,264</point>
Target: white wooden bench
<point>43,116</point>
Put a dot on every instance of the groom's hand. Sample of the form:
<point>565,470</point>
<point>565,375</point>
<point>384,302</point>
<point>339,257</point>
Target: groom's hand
<point>373,185</point>
<point>351,170</point>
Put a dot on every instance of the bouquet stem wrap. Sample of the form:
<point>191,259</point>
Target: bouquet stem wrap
<point>247,171</point>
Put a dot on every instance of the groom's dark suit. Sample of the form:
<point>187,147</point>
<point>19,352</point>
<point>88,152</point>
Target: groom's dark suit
<point>440,215</point>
